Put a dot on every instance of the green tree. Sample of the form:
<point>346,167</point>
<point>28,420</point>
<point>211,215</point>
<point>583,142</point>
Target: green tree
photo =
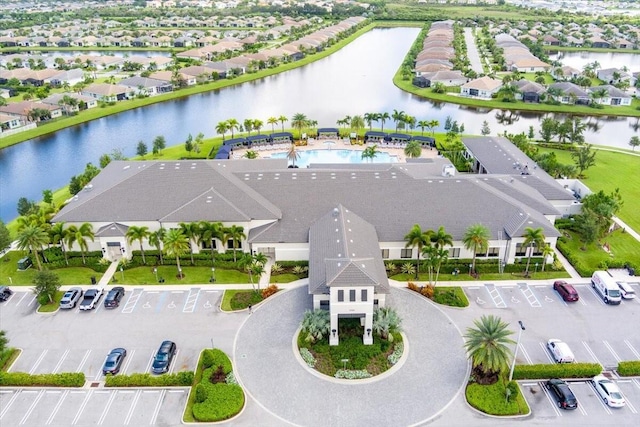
<point>282,120</point>
<point>176,244</point>
<point>188,144</point>
<point>5,237</point>
<point>253,265</point>
<point>588,226</point>
<point>3,342</point>
<point>222,128</point>
<point>272,121</point>
<point>413,149</point>
<point>584,158</point>
<point>416,238</point>
<point>80,235</point>
<point>488,347</point>
<point>45,285</point>
<point>251,154</point>
<point>233,125</point>
<point>58,235</point>
<point>548,129</point>
<point>476,238</point>
<point>315,324</point>
<point>159,143</point>
<point>47,197</point>
<point>386,322</point>
<point>485,128</point>
<point>603,206</point>
<point>141,149</point>
<point>398,118</point>
<point>33,238</point>
<point>299,121</point>
<point>370,153</point>
<point>547,251</point>
<point>532,237</point>
<point>209,232</point>
<point>26,206</point>
<point>634,142</point>
<point>576,130</point>
<point>293,154</point>
<point>155,239</point>
<point>383,117</point>
<point>138,233</point>
<point>235,233</point>
<point>105,159</point>
<point>191,230</point>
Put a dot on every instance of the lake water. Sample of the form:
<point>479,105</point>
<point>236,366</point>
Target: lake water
<point>355,80</point>
<point>335,156</point>
<point>606,59</point>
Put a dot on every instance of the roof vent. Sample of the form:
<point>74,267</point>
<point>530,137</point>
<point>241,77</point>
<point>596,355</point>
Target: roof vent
<point>126,167</point>
<point>336,211</point>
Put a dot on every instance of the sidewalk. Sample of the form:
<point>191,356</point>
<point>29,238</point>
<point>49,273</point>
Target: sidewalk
<point>626,228</point>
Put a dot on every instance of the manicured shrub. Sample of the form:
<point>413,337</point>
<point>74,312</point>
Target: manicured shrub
<point>179,379</point>
<point>269,290</point>
<point>231,379</point>
<point>451,296</point>
<point>490,399</point>
<point>23,379</point>
<point>201,393</point>
<point>6,356</point>
<point>215,357</point>
<point>557,370</point>
<point>398,349</point>
<point>308,357</point>
<point>413,287</point>
<point>223,402</point>
<point>428,291</point>
<point>629,368</point>
<point>348,374</point>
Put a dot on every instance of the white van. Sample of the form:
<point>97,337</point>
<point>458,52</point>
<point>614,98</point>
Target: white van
<point>626,290</point>
<point>560,351</point>
<point>606,287</point>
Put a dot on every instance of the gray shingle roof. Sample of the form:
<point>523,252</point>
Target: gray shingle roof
<point>112,230</point>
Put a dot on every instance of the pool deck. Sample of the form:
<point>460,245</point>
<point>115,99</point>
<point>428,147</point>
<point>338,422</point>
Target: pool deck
<point>334,144</point>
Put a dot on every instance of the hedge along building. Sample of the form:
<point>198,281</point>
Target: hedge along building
<point>277,206</point>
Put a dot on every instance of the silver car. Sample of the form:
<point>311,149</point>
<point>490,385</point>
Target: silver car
<point>71,298</point>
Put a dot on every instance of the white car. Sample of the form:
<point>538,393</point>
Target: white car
<point>626,290</point>
<point>608,391</point>
<point>560,351</point>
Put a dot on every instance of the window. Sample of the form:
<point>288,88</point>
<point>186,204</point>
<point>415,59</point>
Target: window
<point>454,252</point>
<point>206,244</point>
<point>406,253</point>
<point>385,254</point>
<point>352,295</point>
<point>493,252</point>
<point>363,295</point>
<point>520,250</point>
<point>340,295</point>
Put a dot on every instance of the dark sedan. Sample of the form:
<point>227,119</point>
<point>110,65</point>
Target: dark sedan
<point>113,297</point>
<point>163,358</point>
<point>114,361</point>
<point>563,394</point>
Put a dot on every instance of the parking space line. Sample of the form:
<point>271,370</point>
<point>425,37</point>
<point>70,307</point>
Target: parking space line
<point>615,355</point>
<point>153,353</point>
<point>134,402</point>
<point>32,301</point>
<point>82,406</point>
<point>32,407</point>
<point>528,294</point>
<point>83,361</point>
<point>628,403</point>
<point>99,374</point>
<point>35,365</point>
<point>57,407</point>
<point>495,295</point>
<point>9,403</point>
<point>606,408</point>
<point>173,363</point>
<point>132,301</point>
<point>591,353</point>
<point>129,359</point>
<point>23,297</point>
<point>597,295</point>
<point>156,410</point>
<point>545,349</point>
<point>107,407</point>
<point>192,299</point>
<point>525,354</point>
<point>64,356</point>
<point>633,350</point>
<point>551,400</point>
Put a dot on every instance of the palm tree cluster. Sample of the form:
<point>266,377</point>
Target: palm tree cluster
<point>386,322</point>
<point>315,324</point>
<point>299,121</point>
<point>487,347</point>
<point>432,245</point>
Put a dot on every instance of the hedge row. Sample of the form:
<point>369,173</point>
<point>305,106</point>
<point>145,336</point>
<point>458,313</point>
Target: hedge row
<point>23,379</point>
<point>462,265</point>
<point>564,249</point>
<point>215,357</point>
<point>629,368</point>
<point>556,370</point>
<point>184,378</point>
<point>221,401</point>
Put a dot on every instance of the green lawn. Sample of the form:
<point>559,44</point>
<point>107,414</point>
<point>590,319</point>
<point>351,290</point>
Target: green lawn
<point>490,399</point>
<point>53,306</point>
<point>233,300</point>
<point>192,275</point>
<point>622,247</point>
<point>284,278</point>
<point>613,170</point>
<point>68,276</point>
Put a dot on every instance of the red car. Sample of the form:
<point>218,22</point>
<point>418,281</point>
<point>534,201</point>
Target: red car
<point>565,290</point>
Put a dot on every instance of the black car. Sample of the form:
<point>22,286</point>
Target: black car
<point>163,358</point>
<point>113,297</point>
<point>5,293</point>
<point>562,393</point>
<point>114,361</point>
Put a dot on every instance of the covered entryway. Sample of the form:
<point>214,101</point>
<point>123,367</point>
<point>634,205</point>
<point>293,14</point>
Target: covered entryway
<point>114,251</point>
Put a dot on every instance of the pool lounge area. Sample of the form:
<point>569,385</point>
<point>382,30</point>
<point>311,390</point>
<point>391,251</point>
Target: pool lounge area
<point>308,157</point>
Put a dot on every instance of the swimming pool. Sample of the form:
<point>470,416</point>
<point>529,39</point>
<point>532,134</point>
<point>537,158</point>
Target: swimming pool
<point>335,156</point>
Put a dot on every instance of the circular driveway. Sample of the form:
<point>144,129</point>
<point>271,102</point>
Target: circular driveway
<point>433,373</point>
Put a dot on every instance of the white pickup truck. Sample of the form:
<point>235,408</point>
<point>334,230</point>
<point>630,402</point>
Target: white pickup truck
<point>91,298</point>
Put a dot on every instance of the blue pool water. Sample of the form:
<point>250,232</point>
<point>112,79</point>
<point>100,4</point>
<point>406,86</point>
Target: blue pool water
<point>335,156</point>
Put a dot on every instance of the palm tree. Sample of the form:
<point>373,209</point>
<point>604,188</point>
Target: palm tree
<point>139,234</point>
<point>257,125</point>
<point>254,265</point>
<point>441,238</point>
<point>176,244</point>
<point>440,256</point>
<point>315,324</point>
<point>33,238</point>
<point>413,149</point>
<point>357,123</point>
<point>58,234</point>
<point>248,126</point>
<point>369,118</point>
<point>191,231</point>
<point>209,231</point>
<point>272,121</point>
<point>370,152</point>
<point>422,124</point>
<point>487,346</point>
<point>293,154</point>
<point>433,124</point>
<point>383,117</point>
<point>155,240</point>
<point>298,121</point>
<point>418,239</point>
<point>283,119</point>
<point>386,322</point>
<point>398,117</point>
<point>80,235</point>
<point>547,251</point>
<point>532,237</point>
<point>236,234</point>
<point>476,238</point>
<point>233,126</point>
<point>222,128</point>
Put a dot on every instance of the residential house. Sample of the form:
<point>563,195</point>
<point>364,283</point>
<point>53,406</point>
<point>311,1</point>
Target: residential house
<point>23,110</point>
<point>571,93</point>
<point>107,92</point>
<point>167,76</point>
<point>83,102</point>
<point>614,75</point>
<point>70,77</point>
<point>529,91</point>
<point>614,96</point>
<point>145,86</point>
<point>448,78</point>
<point>484,87</point>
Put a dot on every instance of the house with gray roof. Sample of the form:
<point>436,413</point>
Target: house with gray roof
<point>571,93</point>
<point>614,96</point>
<point>146,86</point>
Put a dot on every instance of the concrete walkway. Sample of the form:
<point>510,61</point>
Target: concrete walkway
<point>626,228</point>
<point>472,51</point>
<point>106,277</point>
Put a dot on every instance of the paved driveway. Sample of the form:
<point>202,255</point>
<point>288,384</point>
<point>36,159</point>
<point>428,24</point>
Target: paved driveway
<point>431,377</point>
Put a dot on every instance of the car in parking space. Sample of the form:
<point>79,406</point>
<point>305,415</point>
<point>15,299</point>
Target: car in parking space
<point>5,293</point>
<point>626,290</point>
<point>163,358</point>
<point>114,296</point>
<point>563,394</point>
<point>566,291</point>
<point>608,391</point>
<point>91,298</point>
<point>113,362</point>
<point>71,298</point>
<point>560,351</point>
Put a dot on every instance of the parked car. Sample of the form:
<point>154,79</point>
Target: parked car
<point>608,391</point>
<point>113,297</point>
<point>91,299</point>
<point>563,394</point>
<point>560,351</point>
<point>626,290</point>
<point>163,357</point>
<point>566,291</point>
<point>71,297</point>
<point>5,293</point>
<point>113,361</point>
